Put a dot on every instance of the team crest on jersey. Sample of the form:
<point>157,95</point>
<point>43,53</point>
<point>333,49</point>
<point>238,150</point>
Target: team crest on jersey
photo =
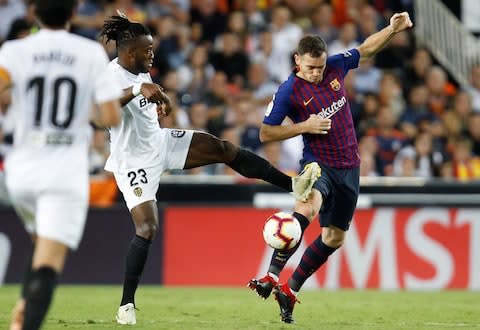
<point>138,191</point>
<point>335,84</point>
<point>177,133</point>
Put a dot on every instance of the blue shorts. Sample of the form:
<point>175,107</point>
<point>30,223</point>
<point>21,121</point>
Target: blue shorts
<point>340,188</point>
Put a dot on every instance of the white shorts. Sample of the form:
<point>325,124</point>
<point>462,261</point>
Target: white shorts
<point>141,184</point>
<point>52,207</point>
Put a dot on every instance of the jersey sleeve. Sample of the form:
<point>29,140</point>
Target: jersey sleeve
<point>345,61</point>
<point>278,108</point>
<point>107,87</point>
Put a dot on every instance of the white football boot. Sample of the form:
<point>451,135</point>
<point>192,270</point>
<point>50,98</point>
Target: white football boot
<point>126,314</point>
<point>303,183</point>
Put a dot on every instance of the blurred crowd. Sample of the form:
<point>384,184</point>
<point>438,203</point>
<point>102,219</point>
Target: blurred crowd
<point>222,60</point>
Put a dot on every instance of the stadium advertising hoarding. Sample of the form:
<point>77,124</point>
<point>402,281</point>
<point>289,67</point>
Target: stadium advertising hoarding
<point>386,248</point>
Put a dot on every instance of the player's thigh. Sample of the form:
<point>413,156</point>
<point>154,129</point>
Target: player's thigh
<point>61,216</point>
<point>139,185</point>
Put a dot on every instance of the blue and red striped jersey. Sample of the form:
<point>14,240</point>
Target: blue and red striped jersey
<point>297,99</point>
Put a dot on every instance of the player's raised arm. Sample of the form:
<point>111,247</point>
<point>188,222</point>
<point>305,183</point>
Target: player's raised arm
<point>374,43</point>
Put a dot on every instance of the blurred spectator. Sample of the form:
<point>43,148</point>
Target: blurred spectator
<point>172,49</point>
<point>474,89</point>
<point>260,88</point>
<point>396,54</point>
<point>368,148</point>
<point>178,117</point>
<point>264,54</point>
<point>389,139</point>
<point>322,23</point>
<point>217,99</point>
<point>346,40</point>
<point>368,114</point>
<point>243,118</point>
<point>285,37</point>
<point>236,24</point>
<point>231,59</point>
<point>418,160</point>
<point>256,20</point>
<point>211,21</point>
<point>194,75</point>
<point>462,107</point>
<point>438,89</point>
<point>367,77</point>
<point>88,20</point>
<point>474,132</point>
<point>368,22</point>
<point>465,165</point>
<point>198,117</point>
<point>10,10</point>
<point>390,93</point>
<point>417,116</point>
<point>416,71</point>
<point>157,9</point>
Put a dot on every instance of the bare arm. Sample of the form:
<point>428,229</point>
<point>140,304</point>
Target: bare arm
<point>107,114</point>
<point>152,92</point>
<point>374,43</point>
<point>315,124</point>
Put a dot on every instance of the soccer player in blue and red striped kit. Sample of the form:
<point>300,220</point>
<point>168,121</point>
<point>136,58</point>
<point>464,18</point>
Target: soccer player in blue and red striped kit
<point>315,100</point>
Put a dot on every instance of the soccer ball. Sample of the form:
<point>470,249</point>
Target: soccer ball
<point>282,231</point>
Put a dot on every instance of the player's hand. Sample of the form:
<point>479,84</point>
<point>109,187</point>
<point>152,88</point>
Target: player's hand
<point>316,124</point>
<point>400,22</point>
<point>164,108</point>
<point>152,92</point>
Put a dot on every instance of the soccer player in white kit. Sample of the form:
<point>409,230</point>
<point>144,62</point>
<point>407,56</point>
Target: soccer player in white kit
<point>141,151</point>
<point>55,78</point>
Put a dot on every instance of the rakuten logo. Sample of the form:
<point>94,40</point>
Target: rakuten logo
<point>333,108</point>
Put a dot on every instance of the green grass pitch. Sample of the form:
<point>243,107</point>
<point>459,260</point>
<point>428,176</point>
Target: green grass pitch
<point>94,307</point>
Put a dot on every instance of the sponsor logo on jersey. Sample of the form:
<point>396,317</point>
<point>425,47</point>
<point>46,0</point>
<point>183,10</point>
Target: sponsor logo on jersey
<point>335,84</point>
<point>333,108</point>
<point>347,53</point>
<point>138,191</point>
<point>177,133</point>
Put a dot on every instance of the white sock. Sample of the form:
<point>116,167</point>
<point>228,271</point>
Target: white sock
<point>272,275</point>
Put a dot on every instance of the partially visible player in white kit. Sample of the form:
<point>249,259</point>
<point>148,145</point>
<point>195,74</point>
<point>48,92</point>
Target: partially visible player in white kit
<point>55,79</point>
<point>141,151</point>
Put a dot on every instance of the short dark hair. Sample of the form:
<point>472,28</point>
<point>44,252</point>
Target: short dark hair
<point>313,45</point>
<point>120,29</point>
<point>54,13</point>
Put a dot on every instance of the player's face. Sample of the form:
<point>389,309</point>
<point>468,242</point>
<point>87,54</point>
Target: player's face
<point>311,68</point>
<point>144,53</point>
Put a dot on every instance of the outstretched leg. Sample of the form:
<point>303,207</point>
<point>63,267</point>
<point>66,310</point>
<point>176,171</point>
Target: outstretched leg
<point>207,149</point>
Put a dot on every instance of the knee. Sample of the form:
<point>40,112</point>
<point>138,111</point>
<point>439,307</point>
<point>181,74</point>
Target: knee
<point>334,239</point>
<point>311,207</point>
<point>228,150</point>
<point>146,229</point>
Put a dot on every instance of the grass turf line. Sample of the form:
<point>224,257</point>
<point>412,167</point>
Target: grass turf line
<point>94,307</point>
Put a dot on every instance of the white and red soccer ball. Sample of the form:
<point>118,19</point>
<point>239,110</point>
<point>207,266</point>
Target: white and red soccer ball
<point>282,231</point>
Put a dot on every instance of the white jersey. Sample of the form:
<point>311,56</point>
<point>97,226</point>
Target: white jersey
<point>56,78</point>
<point>135,143</point>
